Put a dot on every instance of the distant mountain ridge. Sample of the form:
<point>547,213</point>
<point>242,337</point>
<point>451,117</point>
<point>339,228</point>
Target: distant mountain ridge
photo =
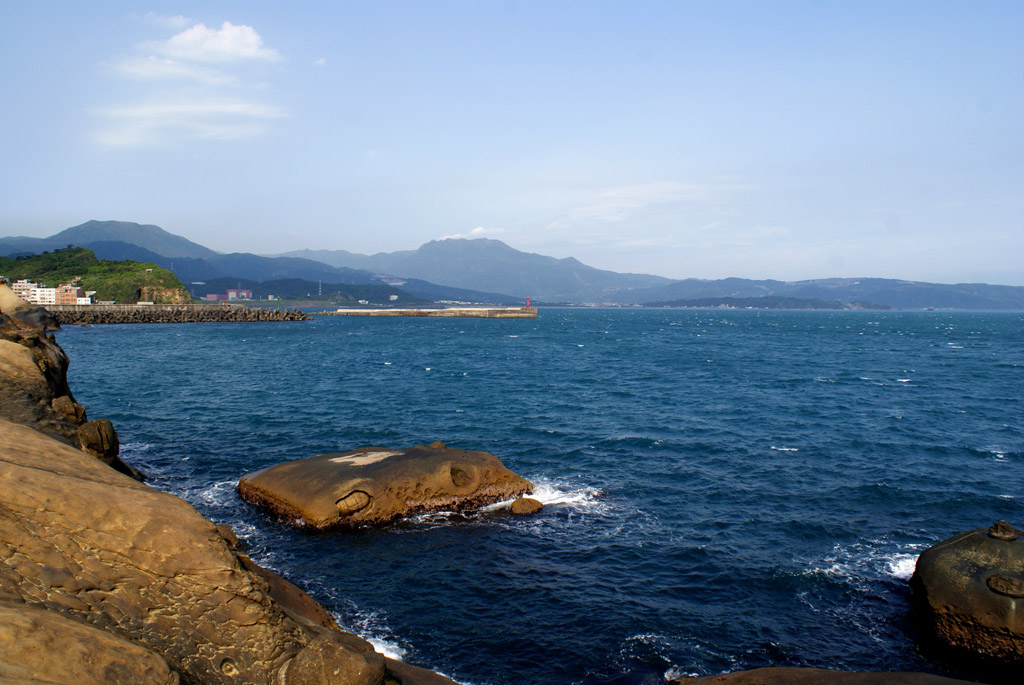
<point>491,265</point>
<point>147,236</point>
<point>491,272</point>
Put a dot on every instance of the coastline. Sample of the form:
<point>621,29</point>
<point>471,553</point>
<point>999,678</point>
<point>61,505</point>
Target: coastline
<point>456,312</point>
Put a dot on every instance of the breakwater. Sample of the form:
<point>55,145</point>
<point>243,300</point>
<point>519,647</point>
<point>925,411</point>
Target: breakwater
<point>169,313</point>
<point>463,312</point>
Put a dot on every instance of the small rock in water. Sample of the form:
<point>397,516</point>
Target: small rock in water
<point>526,505</point>
<point>374,485</point>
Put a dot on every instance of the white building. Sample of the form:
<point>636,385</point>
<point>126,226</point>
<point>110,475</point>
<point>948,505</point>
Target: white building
<point>43,296</point>
<point>23,288</point>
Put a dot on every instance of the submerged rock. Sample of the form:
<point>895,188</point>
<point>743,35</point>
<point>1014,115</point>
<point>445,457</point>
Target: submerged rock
<point>374,485</point>
<point>972,589</point>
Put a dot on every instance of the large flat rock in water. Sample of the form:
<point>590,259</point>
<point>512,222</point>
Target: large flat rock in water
<point>374,485</point>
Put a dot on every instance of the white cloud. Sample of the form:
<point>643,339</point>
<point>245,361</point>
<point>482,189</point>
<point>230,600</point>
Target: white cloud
<point>175,22</point>
<point>227,44</point>
<point>161,68</point>
<point>478,232</point>
<point>157,123</point>
<point>206,87</point>
<point>320,62</point>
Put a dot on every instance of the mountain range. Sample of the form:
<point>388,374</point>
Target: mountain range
<point>489,271</point>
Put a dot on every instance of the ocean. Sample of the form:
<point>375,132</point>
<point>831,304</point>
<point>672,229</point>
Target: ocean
<point>724,489</point>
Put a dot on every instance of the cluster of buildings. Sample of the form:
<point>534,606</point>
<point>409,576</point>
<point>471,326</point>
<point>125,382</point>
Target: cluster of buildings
<point>232,295</point>
<point>38,293</point>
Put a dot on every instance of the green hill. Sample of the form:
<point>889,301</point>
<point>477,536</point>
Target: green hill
<point>119,281</point>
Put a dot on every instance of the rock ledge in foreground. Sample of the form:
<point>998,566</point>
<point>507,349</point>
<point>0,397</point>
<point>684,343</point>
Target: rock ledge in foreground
<point>375,485</point>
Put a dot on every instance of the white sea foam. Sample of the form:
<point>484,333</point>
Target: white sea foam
<point>560,495</point>
<point>864,561</point>
<point>902,566</point>
<point>785,449</point>
<point>220,494</point>
<point>902,380</point>
<point>372,627</point>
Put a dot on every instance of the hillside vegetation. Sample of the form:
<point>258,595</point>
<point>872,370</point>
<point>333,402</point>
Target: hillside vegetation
<point>119,281</point>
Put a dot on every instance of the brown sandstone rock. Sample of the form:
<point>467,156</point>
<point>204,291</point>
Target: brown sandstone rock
<point>374,485</point>
<point>972,588</point>
<point>525,505</point>
<point>99,438</point>
<point>24,314</point>
<point>80,539</point>
<point>38,646</point>
<point>69,409</point>
<point>816,676</point>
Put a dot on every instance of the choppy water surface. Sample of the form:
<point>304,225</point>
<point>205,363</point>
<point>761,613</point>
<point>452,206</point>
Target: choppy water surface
<point>725,489</point>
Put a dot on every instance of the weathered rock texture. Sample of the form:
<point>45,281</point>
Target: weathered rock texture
<point>374,485</point>
<point>816,676</point>
<point>71,652</point>
<point>34,392</point>
<point>152,293</point>
<point>97,547</point>
<point>972,590</point>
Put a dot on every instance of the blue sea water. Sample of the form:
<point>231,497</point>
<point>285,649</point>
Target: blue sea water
<point>724,489</point>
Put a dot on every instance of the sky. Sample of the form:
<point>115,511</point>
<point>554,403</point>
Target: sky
<point>760,139</point>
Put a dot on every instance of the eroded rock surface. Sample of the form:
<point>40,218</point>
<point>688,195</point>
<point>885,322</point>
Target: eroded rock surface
<point>972,589</point>
<point>85,542</point>
<point>73,652</point>
<point>34,391</point>
<point>374,485</point>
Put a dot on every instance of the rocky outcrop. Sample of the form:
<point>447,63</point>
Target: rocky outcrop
<point>971,588</point>
<point>96,547</point>
<point>816,676</point>
<point>34,391</point>
<point>152,293</point>
<point>22,313</point>
<point>374,485</point>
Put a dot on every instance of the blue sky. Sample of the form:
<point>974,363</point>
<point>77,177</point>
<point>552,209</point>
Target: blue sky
<point>765,139</point>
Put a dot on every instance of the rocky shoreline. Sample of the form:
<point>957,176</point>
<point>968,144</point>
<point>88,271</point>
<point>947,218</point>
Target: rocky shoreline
<point>130,584</point>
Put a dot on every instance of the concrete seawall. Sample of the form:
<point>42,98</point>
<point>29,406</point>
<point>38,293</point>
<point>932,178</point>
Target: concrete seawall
<point>466,312</point>
<point>168,313</point>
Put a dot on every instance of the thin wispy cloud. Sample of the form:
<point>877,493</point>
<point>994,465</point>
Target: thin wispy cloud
<point>198,84</point>
<point>478,232</point>
<point>135,125</point>
<point>168,22</point>
<point>152,67</point>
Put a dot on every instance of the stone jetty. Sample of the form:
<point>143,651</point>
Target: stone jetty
<point>169,313</point>
<point>463,312</point>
